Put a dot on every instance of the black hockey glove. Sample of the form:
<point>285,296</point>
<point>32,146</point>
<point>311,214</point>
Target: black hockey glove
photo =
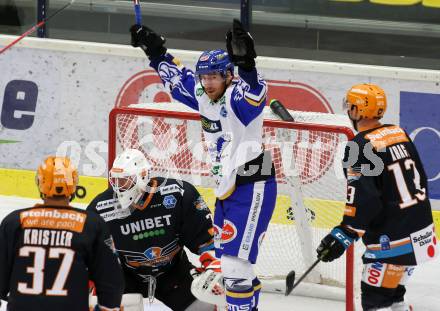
<point>335,243</point>
<point>149,41</point>
<point>240,46</point>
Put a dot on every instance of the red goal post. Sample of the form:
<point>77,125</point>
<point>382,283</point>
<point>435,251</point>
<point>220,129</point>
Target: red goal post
<point>300,204</point>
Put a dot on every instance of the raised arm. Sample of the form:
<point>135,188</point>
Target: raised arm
<point>179,80</point>
<point>249,95</point>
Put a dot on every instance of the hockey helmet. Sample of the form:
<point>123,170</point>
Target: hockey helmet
<point>214,61</point>
<point>56,177</point>
<point>129,176</point>
<point>368,101</point>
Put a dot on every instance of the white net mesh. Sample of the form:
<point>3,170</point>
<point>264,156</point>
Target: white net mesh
<point>311,187</point>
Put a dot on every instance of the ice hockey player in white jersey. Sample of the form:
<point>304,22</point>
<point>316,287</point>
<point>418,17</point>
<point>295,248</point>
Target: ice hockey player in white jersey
<point>231,109</point>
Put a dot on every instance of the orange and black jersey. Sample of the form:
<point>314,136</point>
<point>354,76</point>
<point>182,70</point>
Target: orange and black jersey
<point>150,236</point>
<point>387,197</point>
<point>49,253</point>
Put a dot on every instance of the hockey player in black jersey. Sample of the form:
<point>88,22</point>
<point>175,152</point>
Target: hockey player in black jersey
<point>387,203</point>
<point>49,252</point>
<point>151,220</point>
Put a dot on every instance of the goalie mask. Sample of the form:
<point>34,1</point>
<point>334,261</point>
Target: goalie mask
<point>56,177</point>
<point>129,176</point>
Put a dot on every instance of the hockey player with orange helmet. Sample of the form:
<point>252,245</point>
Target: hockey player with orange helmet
<point>49,251</point>
<point>387,203</point>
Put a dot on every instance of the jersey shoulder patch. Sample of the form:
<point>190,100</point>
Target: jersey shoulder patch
<point>105,204</point>
<point>173,188</point>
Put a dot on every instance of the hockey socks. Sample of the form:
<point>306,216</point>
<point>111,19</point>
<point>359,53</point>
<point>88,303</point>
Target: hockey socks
<point>257,288</point>
<point>240,297</point>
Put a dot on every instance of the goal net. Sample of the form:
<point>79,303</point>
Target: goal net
<point>311,186</point>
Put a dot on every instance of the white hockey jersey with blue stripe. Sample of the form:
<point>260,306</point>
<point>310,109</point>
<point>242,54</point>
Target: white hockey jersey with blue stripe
<point>232,125</point>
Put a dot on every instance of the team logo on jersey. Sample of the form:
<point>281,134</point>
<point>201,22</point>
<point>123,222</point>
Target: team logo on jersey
<point>169,201</point>
<point>171,189</point>
<point>211,126</point>
<point>171,75</point>
<point>229,231</point>
<point>153,253</point>
<point>154,256</point>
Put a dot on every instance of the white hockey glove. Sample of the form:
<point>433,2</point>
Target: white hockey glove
<point>208,284</point>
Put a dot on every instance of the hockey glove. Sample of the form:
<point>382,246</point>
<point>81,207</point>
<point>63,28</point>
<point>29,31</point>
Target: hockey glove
<point>335,243</point>
<point>210,262</point>
<point>208,285</point>
<point>240,46</point>
<point>149,41</point>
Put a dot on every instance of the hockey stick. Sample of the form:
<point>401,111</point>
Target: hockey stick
<point>137,12</point>
<point>290,278</point>
<point>35,27</point>
<point>138,17</point>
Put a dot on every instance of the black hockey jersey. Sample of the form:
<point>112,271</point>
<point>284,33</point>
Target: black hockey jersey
<point>387,197</point>
<point>150,237</point>
<point>49,253</point>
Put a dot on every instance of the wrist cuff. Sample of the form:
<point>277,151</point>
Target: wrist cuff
<point>342,237</point>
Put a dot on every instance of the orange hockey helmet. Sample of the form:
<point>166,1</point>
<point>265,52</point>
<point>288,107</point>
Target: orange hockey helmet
<point>56,176</point>
<point>368,101</point>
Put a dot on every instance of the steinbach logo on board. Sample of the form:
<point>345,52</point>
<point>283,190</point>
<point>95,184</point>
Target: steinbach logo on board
<point>420,117</point>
